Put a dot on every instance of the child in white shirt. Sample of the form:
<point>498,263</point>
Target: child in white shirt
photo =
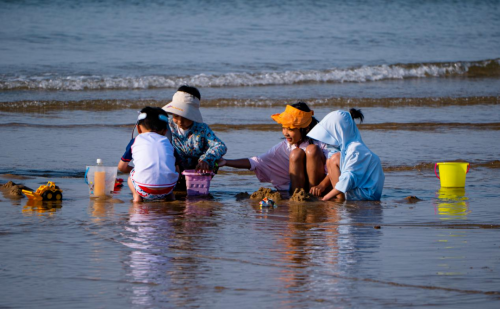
<point>154,175</point>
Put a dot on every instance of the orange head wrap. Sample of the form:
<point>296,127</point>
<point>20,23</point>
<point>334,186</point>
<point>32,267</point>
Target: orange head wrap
<point>293,118</point>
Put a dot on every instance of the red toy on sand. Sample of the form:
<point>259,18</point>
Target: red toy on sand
<point>118,183</point>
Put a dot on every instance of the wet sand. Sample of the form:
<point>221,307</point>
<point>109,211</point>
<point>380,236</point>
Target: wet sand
<point>441,249</point>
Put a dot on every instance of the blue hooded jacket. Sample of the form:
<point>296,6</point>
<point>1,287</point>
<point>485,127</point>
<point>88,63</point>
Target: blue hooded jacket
<point>361,174</point>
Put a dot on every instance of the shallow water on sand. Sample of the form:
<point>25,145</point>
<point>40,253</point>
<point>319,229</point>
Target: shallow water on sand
<point>442,250</point>
<point>420,135</point>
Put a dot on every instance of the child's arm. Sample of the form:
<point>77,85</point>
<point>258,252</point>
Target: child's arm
<point>124,167</point>
<point>267,157</point>
<point>333,194</point>
<point>321,187</point>
<point>238,163</point>
<point>216,148</point>
<point>333,167</point>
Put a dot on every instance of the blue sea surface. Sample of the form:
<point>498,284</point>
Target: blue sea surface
<point>72,45</point>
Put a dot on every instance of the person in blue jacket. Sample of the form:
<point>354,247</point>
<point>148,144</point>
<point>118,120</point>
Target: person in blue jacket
<point>355,172</point>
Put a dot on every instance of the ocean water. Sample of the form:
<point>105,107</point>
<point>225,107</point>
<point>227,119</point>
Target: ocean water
<point>426,75</point>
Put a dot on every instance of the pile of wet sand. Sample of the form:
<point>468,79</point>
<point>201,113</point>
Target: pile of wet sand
<point>242,196</point>
<point>266,192</point>
<point>13,190</point>
<point>300,195</point>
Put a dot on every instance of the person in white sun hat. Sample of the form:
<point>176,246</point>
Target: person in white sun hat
<point>196,145</point>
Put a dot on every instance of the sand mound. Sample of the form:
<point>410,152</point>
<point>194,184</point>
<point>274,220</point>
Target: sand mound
<point>12,176</point>
<point>242,196</point>
<point>8,185</point>
<point>266,192</point>
<point>13,190</point>
<point>300,195</point>
<point>411,199</point>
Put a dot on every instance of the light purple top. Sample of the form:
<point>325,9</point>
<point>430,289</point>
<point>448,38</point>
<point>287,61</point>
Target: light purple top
<point>273,166</point>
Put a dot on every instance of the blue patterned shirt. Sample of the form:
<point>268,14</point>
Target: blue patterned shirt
<point>196,143</point>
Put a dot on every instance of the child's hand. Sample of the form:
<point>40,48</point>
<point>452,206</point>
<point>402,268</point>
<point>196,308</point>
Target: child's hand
<point>330,195</point>
<point>317,190</point>
<point>221,162</point>
<point>338,195</point>
<point>203,167</point>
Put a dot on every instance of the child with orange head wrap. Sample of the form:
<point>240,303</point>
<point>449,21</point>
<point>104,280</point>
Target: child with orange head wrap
<point>298,161</point>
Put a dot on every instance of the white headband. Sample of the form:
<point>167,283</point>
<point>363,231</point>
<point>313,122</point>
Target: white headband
<point>144,116</point>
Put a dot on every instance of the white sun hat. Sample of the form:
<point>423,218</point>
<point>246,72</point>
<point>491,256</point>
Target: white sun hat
<point>185,105</point>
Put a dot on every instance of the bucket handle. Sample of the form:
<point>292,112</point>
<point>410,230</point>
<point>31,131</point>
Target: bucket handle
<point>85,177</point>
<point>435,169</point>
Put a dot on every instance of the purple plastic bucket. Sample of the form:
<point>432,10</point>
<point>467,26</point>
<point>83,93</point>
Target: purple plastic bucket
<point>197,183</point>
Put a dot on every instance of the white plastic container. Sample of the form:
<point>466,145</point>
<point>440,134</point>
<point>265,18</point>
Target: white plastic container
<point>101,179</point>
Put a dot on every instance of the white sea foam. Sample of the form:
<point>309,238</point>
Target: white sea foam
<point>336,75</point>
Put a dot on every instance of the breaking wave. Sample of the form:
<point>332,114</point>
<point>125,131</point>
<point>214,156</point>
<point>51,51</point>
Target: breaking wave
<point>484,68</point>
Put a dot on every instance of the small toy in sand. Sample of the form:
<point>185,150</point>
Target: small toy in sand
<point>267,202</point>
<point>118,183</point>
<point>49,192</point>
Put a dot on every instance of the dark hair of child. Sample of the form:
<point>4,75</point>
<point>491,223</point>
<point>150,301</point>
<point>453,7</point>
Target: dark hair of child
<point>356,114</point>
<point>303,132</point>
<point>191,90</point>
<point>152,121</point>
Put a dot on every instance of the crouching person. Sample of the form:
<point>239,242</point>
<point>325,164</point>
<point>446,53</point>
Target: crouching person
<point>154,176</point>
<point>355,172</point>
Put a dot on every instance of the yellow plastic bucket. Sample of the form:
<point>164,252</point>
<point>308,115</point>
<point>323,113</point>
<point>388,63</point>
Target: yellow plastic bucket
<point>452,174</point>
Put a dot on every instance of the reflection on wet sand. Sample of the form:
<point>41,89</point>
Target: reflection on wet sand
<point>147,223</point>
<point>310,239</point>
<point>175,248</point>
<point>451,204</point>
<point>319,239</point>
<point>40,207</point>
<point>164,239</point>
<point>102,207</point>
